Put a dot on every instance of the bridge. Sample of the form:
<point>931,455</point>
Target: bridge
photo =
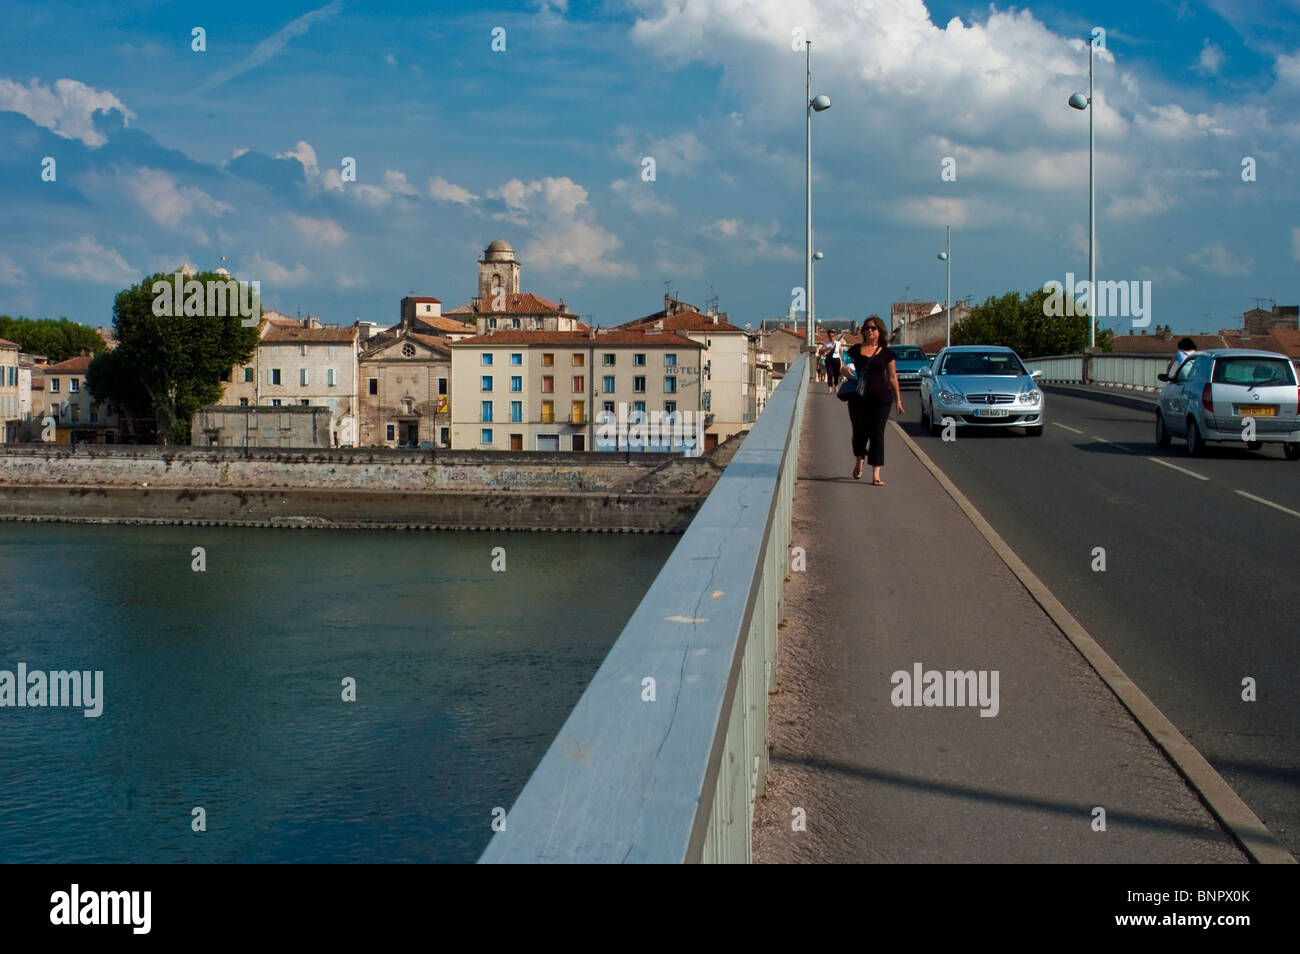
<point>1122,616</point>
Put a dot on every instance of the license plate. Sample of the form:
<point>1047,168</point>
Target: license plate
<point>991,412</point>
<point>1256,410</point>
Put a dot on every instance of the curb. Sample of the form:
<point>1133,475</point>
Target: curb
<point>1118,397</point>
<point>1244,825</point>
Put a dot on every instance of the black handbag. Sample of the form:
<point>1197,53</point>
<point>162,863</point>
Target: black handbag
<point>849,387</point>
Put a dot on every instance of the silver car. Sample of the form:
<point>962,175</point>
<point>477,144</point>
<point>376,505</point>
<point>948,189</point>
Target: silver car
<point>980,386</point>
<point>1231,394</point>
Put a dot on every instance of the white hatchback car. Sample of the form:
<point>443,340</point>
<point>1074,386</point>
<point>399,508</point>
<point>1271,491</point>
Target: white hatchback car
<point>1231,394</point>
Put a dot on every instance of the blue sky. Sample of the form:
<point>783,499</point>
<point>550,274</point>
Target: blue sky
<point>167,156</point>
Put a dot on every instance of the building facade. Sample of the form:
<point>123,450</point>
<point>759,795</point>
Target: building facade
<point>11,403</point>
<point>405,397</point>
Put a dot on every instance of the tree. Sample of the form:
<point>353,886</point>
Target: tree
<point>1021,324</point>
<point>168,365</point>
<point>57,339</point>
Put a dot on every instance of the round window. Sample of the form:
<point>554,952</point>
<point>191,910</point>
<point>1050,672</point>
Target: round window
<point>408,350</point>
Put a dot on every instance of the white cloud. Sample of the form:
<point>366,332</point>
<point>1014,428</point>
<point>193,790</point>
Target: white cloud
<point>270,272</point>
<point>1215,257</point>
<point>1211,59</point>
<point>306,155</point>
<point>747,241</point>
<point>639,196</point>
<point>565,234</point>
<point>440,188</point>
<point>84,259</point>
<point>397,183</point>
<point>273,44</point>
<point>1288,68</point>
<point>10,273</point>
<point>390,59</point>
<point>66,110</point>
<point>1162,274</point>
<point>165,200</point>
<point>321,231</point>
<point>1171,121</point>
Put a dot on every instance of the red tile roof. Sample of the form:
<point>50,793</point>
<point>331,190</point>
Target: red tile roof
<point>443,323</point>
<point>76,365</point>
<point>1289,340</point>
<point>434,342</point>
<point>516,303</point>
<point>617,337</point>
<point>684,321</point>
<point>281,334</point>
<point>6,343</point>
<point>422,298</point>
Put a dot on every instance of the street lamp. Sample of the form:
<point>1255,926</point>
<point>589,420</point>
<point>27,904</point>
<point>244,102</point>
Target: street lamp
<point>1079,101</point>
<point>814,104</point>
<point>946,256</point>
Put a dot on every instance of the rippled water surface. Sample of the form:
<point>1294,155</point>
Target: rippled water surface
<point>222,689</point>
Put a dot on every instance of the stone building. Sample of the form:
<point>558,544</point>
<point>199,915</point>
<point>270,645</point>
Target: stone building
<point>405,397</point>
<point>501,306</point>
<point>10,392</point>
<point>1257,321</point>
<point>78,417</point>
<point>282,427</point>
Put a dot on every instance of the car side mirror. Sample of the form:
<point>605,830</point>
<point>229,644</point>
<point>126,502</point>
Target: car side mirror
<point>1035,374</point>
<point>1162,377</point>
<point>925,372</point>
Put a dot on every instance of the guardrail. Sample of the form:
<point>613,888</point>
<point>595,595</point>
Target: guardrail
<point>662,758</point>
<point>1135,371</point>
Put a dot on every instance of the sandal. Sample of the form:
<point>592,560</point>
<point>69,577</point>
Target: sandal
<point>857,472</point>
<point>878,482</point>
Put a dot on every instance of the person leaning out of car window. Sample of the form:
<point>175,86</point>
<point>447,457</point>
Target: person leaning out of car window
<point>869,413</point>
<point>1186,348</point>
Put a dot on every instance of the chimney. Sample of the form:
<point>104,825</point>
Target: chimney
<point>659,325</point>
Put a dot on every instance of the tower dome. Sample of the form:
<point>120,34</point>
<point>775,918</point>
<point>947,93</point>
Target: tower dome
<point>499,251</point>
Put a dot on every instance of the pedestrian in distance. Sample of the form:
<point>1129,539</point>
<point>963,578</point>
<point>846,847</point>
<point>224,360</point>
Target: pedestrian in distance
<point>833,360</point>
<point>1186,348</point>
<point>873,363</point>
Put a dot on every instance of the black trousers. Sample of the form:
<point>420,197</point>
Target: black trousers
<point>869,418</point>
<point>833,370</point>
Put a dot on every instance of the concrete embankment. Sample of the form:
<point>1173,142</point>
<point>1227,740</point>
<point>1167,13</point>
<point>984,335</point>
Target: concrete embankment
<point>367,488</point>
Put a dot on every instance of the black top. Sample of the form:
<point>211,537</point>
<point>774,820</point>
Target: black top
<point>876,368</point>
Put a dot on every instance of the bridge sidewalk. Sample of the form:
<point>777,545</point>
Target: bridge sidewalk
<point>898,576</point>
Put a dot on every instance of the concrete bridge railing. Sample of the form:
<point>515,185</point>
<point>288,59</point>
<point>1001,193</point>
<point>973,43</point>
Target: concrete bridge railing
<point>664,754</point>
<point>1134,371</point>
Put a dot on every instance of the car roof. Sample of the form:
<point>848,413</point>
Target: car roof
<point>998,349</point>
<point>1242,353</point>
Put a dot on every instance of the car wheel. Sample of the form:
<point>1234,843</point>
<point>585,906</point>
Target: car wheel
<point>1195,443</point>
<point>1254,445</point>
<point>1292,451</point>
<point>1162,432</point>
<point>925,418</point>
<point>1034,431</point>
<point>936,427</point>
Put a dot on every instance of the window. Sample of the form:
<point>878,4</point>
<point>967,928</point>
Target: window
<point>607,359</point>
<point>548,384</point>
<point>391,434</point>
<point>609,407</point>
<point>516,358</point>
<point>442,385</point>
<point>670,384</point>
<point>706,399</point>
<point>408,350</point>
<point>516,412</point>
<point>670,361</point>
<point>485,414</point>
<point>638,406</point>
<point>374,385</point>
<point>486,358</point>
<point>333,350</point>
<point>580,442</point>
<point>272,375</point>
<point>225,375</point>
<point>331,377</point>
<point>579,412</point>
<point>638,360</point>
<point>304,350</point>
<point>302,377</point>
<point>638,385</point>
<point>54,385</point>
<point>305,402</point>
<point>275,402</point>
<point>485,383</point>
<point>579,384</point>
<point>670,407</point>
<point>514,322</point>
<point>248,375</point>
<point>579,359</point>
<point>548,442</point>
<point>548,412</point>
<point>516,383</point>
<point>443,436</point>
<point>548,360</point>
<point>607,384</point>
<point>243,402</point>
<point>492,322</point>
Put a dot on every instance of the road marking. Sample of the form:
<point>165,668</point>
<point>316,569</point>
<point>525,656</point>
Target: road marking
<point>1116,446</point>
<point>1181,470</point>
<point>1067,427</point>
<point>1267,503</point>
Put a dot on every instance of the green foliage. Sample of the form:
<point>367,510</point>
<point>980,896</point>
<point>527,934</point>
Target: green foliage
<point>57,339</point>
<point>1020,324</point>
<point>168,366</point>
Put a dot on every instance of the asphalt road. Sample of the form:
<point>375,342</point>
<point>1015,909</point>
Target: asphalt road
<point>1200,587</point>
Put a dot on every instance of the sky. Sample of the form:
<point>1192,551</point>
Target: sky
<point>166,155</point>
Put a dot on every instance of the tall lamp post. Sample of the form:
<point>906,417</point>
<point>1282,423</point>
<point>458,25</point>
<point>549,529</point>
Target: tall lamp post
<point>1079,101</point>
<point>813,104</point>
<point>946,256</point>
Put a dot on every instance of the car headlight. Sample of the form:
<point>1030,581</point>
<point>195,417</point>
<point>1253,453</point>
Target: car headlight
<point>951,397</point>
<point>1030,397</point>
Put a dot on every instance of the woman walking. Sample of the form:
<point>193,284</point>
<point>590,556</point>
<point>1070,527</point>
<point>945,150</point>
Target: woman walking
<point>869,412</point>
<point>834,352</point>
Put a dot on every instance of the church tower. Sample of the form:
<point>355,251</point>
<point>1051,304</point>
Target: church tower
<point>497,269</point>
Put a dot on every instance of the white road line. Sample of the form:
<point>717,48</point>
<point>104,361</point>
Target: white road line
<point>1181,470</point>
<point>1067,427</point>
<point>1116,446</point>
<point>1267,503</point>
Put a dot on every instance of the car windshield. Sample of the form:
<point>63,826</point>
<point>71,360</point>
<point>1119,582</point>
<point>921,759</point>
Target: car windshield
<point>981,362</point>
<point>1253,372</point>
<point>907,352</point>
